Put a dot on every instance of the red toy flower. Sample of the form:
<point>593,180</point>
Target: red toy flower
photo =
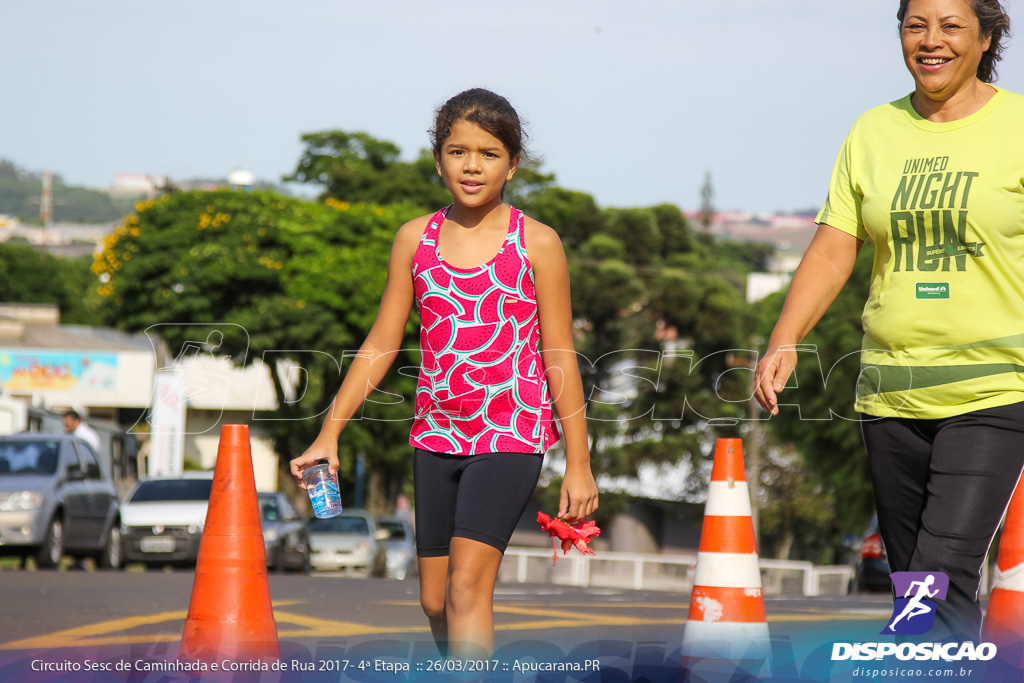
<point>572,534</point>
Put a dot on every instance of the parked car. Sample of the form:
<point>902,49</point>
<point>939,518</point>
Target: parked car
<point>162,518</point>
<point>871,566</point>
<point>349,542</point>
<point>285,534</point>
<point>399,547</point>
<point>57,498</point>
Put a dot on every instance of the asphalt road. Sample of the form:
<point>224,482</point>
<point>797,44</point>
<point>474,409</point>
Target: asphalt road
<point>56,617</point>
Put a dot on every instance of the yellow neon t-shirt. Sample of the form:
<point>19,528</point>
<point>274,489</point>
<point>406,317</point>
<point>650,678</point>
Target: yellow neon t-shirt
<point>943,204</point>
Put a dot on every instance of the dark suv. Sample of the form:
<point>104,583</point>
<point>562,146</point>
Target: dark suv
<point>56,498</point>
<point>871,566</point>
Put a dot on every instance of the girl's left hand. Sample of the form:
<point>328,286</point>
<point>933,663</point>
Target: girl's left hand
<point>579,494</point>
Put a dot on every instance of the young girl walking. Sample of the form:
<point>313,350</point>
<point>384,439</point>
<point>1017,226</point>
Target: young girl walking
<point>498,360</point>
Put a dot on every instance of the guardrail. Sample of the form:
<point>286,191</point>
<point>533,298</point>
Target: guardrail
<point>651,571</point>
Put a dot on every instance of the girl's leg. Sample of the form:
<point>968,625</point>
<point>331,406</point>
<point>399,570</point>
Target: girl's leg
<point>469,605</point>
<point>433,584</point>
<point>494,490</point>
<point>435,478</point>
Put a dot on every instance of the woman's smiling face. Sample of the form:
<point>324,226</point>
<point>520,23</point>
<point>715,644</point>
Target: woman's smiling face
<point>942,46</point>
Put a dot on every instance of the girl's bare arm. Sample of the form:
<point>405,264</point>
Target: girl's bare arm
<point>579,494</point>
<point>375,355</point>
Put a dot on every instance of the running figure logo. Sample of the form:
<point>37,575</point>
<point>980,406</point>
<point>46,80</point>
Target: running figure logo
<point>914,613</point>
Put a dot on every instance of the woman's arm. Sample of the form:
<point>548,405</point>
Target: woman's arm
<point>551,275</point>
<point>375,355</point>
<point>824,269</point>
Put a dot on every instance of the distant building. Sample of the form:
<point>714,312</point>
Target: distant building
<point>788,233</point>
<point>110,375</point>
<point>137,185</point>
<point>240,179</point>
<point>760,285</point>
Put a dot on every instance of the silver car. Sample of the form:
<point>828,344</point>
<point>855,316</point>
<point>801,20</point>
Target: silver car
<point>349,542</point>
<point>56,498</point>
<point>399,547</point>
<point>162,519</point>
<point>285,534</point>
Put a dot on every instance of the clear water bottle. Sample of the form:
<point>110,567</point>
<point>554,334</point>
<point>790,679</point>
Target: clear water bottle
<point>323,490</point>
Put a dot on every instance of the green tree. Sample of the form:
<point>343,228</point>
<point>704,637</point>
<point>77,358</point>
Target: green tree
<point>575,216</point>
<point>527,182</point>
<point>707,207</point>
<point>637,231</point>
<point>19,197</point>
<point>642,284</point>
<point>304,282</point>
<point>82,205</point>
<point>357,167</point>
<point>744,257</point>
<point>8,169</point>
<point>818,416</point>
<point>676,234</point>
<point>694,391</point>
<point>798,517</point>
<point>30,277</point>
<point>21,190</point>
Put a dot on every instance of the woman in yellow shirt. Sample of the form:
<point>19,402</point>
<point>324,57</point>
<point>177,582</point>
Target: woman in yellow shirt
<point>936,181</point>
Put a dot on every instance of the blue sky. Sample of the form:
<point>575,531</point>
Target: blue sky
<point>631,102</point>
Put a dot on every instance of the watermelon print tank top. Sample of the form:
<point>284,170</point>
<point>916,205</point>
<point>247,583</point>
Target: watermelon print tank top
<point>482,387</point>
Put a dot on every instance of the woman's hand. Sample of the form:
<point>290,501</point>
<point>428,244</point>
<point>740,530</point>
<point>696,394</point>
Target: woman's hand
<point>771,375</point>
<point>322,449</point>
<point>578,498</point>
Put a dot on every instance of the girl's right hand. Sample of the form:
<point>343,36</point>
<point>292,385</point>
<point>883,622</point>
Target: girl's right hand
<point>772,374</point>
<point>578,497</point>
<point>322,449</point>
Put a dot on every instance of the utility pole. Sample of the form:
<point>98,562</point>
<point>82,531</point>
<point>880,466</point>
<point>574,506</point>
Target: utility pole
<point>707,208</point>
<point>46,202</point>
<point>754,460</point>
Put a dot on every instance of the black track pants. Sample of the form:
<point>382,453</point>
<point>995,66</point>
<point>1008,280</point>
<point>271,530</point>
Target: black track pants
<point>941,487</point>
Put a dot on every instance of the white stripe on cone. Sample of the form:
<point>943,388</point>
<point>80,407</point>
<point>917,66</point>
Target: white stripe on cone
<point>728,570</point>
<point>1011,579</point>
<point>734,641</point>
<point>725,500</point>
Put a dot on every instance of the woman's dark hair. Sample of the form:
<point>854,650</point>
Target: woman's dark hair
<point>994,21</point>
<point>486,109</point>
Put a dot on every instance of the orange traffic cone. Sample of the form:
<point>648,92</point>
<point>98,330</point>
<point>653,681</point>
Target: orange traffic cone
<point>727,618</point>
<point>230,615</point>
<point>1004,620</point>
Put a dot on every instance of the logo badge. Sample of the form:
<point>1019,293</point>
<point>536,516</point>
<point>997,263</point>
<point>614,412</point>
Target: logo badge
<point>914,612</point>
<point>932,290</point>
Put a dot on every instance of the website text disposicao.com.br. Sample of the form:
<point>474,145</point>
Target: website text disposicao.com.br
<point>945,655</point>
<point>911,673</point>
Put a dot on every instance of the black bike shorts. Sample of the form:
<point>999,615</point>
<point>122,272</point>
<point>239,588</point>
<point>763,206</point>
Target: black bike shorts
<point>480,497</point>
